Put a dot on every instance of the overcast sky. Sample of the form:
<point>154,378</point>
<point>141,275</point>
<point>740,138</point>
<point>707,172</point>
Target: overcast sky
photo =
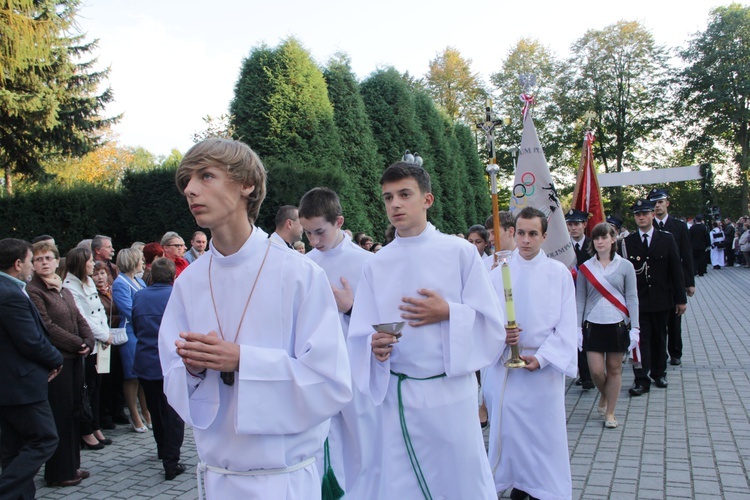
<point>174,62</point>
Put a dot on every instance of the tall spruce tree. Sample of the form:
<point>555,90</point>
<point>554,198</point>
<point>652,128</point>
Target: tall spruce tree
<point>389,102</point>
<point>281,109</point>
<point>477,193</point>
<point>51,106</point>
<point>362,164</point>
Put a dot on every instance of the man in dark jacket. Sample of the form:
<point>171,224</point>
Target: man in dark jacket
<point>729,238</point>
<point>679,230</point>
<point>576,220</point>
<point>148,308</point>
<point>28,361</point>
<point>661,288</point>
<point>699,242</point>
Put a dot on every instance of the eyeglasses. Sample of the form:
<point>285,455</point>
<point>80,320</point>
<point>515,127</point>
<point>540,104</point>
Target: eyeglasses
<point>44,258</point>
<point>176,245</point>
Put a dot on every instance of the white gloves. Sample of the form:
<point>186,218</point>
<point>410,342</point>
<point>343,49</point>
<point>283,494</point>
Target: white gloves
<point>635,336</point>
<point>580,339</point>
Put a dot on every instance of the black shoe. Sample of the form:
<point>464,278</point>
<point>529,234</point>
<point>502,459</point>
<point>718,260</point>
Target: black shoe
<point>70,482</point>
<point>638,390</point>
<point>171,474</point>
<point>661,382</point>
<point>578,382</point>
<point>86,446</point>
<point>105,441</point>
<point>588,384</point>
<point>675,361</point>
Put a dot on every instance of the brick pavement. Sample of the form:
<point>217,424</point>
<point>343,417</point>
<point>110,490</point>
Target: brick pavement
<point>691,440</point>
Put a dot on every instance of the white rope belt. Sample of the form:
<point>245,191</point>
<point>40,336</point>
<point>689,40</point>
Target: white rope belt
<point>203,467</point>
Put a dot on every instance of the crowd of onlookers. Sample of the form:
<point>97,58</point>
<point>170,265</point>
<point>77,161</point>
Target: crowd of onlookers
<point>102,314</point>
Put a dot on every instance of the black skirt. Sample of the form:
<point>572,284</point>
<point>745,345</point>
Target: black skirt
<point>606,338</point>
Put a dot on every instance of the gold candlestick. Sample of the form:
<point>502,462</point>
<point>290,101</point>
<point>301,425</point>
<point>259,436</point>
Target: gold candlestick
<point>515,360</point>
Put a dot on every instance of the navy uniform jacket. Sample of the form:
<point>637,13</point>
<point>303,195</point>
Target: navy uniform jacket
<point>582,255</point>
<point>26,354</point>
<point>679,230</point>
<point>148,308</point>
<point>659,275</point>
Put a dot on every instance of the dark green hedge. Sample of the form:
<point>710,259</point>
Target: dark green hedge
<point>145,208</point>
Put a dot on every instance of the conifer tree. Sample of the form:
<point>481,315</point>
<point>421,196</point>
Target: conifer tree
<point>363,166</point>
<point>389,102</point>
<point>51,106</point>
<point>281,109</point>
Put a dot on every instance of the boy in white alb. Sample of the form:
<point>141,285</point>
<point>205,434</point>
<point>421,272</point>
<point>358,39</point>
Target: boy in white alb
<point>250,344</point>
<point>355,455</point>
<point>431,439</point>
<point>528,439</point>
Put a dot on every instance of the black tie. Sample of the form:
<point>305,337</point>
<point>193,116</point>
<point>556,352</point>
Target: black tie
<point>645,240</point>
<point>578,247</point>
<point>661,224</point>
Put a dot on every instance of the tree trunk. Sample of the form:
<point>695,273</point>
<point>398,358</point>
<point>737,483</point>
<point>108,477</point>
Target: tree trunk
<point>8,181</point>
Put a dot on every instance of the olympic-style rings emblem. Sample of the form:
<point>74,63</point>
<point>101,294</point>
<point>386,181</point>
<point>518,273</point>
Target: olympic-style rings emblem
<point>523,190</point>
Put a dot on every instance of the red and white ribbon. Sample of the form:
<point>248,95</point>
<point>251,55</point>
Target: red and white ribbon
<point>604,287</point>
<point>528,101</point>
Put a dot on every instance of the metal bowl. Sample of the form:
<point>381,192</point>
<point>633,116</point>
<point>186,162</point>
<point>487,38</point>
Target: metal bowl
<point>390,328</point>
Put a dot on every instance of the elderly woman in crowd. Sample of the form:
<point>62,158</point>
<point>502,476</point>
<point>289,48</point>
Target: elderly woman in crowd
<point>80,268</point>
<point>124,288</point>
<point>71,335</point>
<point>174,249</point>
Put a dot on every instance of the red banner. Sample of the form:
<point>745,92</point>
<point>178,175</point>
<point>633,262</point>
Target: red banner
<point>587,196</point>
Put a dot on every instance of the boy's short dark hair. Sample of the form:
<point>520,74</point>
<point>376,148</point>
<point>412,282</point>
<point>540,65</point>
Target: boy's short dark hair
<point>12,250</point>
<point>162,271</point>
<point>321,202</point>
<point>507,220</point>
<point>402,170</point>
<point>531,213</point>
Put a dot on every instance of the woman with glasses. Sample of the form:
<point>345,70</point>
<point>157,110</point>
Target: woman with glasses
<point>174,249</point>
<point>71,335</point>
<point>124,288</point>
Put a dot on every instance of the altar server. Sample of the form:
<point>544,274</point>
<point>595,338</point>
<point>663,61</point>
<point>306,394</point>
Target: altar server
<point>528,441</point>
<point>251,346</point>
<point>431,438</point>
<point>354,449</point>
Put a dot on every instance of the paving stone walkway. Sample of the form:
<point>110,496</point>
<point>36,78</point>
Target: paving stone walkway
<point>691,440</point>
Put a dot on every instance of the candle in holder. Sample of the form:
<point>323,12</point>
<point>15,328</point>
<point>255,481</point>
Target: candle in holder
<point>510,310</point>
<point>515,360</point>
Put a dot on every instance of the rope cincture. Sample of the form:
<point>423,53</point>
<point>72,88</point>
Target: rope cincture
<point>330,488</point>
<point>407,438</point>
